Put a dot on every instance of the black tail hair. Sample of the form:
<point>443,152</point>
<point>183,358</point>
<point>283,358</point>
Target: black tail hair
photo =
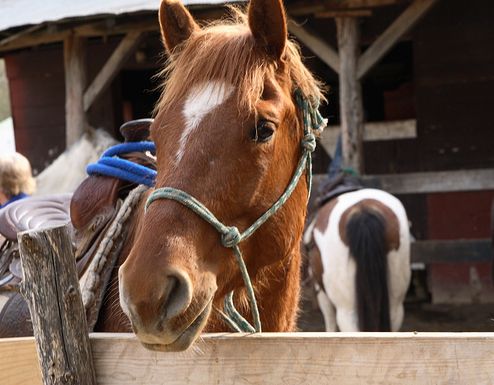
<point>366,236</point>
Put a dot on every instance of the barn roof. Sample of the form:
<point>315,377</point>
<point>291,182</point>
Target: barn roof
<point>18,13</point>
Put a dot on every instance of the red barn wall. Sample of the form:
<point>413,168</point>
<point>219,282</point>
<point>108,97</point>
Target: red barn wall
<point>37,91</point>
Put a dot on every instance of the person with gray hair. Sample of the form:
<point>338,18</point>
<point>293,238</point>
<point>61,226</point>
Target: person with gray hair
<point>16,179</point>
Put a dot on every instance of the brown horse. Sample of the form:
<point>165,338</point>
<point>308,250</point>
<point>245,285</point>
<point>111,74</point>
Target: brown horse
<point>228,132</point>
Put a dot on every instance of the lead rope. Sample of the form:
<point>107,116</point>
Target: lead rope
<point>231,236</point>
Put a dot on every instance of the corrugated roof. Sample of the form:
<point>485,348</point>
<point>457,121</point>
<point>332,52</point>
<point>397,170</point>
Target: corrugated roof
<point>17,13</point>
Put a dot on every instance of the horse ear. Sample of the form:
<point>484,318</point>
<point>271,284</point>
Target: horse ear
<point>176,22</point>
<point>267,22</point>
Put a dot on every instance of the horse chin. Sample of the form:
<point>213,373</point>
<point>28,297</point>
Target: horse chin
<point>187,337</point>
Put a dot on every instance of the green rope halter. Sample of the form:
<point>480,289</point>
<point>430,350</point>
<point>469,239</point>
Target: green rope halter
<point>230,235</point>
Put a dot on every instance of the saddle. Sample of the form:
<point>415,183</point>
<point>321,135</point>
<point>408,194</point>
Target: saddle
<point>334,187</point>
<point>32,213</point>
<point>89,211</point>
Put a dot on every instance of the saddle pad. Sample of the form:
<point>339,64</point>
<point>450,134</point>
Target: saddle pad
<point>34,213</point>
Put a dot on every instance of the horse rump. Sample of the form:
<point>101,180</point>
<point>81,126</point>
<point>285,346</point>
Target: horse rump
<point>365,232</point>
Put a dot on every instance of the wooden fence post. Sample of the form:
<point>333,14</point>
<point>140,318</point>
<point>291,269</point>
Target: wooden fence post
<point>51,289</point>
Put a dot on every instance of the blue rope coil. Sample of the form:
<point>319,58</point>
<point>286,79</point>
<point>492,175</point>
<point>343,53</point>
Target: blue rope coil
<point>110,164</point>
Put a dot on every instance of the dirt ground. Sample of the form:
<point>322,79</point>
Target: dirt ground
<point>421,317</point>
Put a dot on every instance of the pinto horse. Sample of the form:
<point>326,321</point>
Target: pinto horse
<point>359,258</point>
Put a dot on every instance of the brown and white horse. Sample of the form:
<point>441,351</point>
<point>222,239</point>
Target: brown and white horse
<point>360,261</point>
<point>227,132</point>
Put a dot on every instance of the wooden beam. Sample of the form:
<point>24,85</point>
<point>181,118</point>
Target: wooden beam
<point>303,8</point>
<point>351,106</point>
<point>373,131</point>
<point>427,182</point>
<point>350,4</point>
<point>317,45</point>
<point>74,50</point>
<point>433,182</point>
<point>110,69</point>
<point>103,29</point>
<point>20,34</point>
<point>464,250</point>
<point>343,13</point>
<point>98,29</point>
<point>33,40</point>
<point>50,286</point>
<point>392,34</point>
<point>288,358</point>
<point>393,130</point>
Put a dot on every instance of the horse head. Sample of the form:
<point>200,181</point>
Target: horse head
<point>228,133</point>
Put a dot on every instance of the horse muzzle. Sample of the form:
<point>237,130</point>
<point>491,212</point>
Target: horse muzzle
<point>167,316</point>
<point>184,339</point>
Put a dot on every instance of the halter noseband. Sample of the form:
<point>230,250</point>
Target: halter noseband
<point>230,235</point>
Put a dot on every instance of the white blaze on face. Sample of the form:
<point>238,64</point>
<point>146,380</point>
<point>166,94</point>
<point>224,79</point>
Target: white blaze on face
<point>201,100</point>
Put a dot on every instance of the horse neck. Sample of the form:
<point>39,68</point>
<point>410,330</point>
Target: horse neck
<point>279,294</point>
<point>277,285</point>
<point>277,289</point>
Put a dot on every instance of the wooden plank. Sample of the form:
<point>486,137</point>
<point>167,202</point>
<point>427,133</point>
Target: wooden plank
<point>317,45</point>
<point>274,358</point>
<point>21,33</point>
<point>302,358</point>
<point>343,13</point>
<point>106,29</point>
<point>427,182</point>
<point>34,40</point>
<point>398,129</point>
<point>373,131</point>
<point>433,182</point>
<point>361,3</point>
<point>126,47</point>
<point>51,289</point>
<point>351,105</point>
<point>19,362</point>
<point>303,8</point>
<point>85,30</point>
<point>451,251</point>
<point>74,49</point>
<point>392,34</point>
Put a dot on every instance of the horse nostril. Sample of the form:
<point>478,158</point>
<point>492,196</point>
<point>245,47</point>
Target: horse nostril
<point>177,294</point>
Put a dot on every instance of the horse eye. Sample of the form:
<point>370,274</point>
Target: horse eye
<point>262,132</point>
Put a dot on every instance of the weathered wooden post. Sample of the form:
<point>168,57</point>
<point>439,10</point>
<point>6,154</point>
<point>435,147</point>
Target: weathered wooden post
<point>51,289</point>
<point>351,107</point>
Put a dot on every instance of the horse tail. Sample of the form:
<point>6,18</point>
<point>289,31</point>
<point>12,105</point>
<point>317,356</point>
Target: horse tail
<point>365,230</point>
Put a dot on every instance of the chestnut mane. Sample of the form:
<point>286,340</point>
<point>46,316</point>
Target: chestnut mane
<point>225,50</point>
